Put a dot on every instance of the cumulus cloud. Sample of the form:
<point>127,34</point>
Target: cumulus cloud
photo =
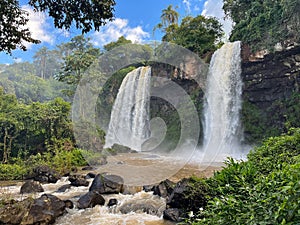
<point>37,25</point>
<point>214,8</point>
<point>187,5</point>
<point>117,28</point>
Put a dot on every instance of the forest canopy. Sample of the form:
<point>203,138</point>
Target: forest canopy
<point>263,24</point>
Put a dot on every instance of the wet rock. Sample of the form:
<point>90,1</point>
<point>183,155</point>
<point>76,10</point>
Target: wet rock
<point>88,168</point>
<point>78,180</point>
<point>112,202</point>
<point>64,188</point>
<point>45,174</point>
<point>178,198</point>
<point>43,210</point>
<point>164,189</point>
<point>172,214</point>
<point>120,148</point>
<point>107,184</point>
<point>90,200</point>
<point>69,204</point>
<point>148,188</point>
<point>90,175</point>
<point>31,187</point>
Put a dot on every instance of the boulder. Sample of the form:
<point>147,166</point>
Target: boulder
<point>45,174</point>
<point>112,202</point>
<point>120,148</point>
<point>31,187</point>
<point>78,180</point>
<point>172,214</point>
<point>107,184</point>
<point>90,200</point>
<point>90,175</point>
<point>164,189</point>
<point>178,199</point>
<point>43,210</point>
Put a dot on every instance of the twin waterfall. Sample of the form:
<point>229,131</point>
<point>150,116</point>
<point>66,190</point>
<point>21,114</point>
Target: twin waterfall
<point>129,124</point>
<point>222,128</point>
<point>129,121</point>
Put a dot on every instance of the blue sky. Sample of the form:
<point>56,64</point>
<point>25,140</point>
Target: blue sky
<point>134,19</point>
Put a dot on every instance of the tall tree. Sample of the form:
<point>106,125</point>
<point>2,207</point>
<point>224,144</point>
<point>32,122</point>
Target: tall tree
<point>87,15</point>
<point>80,54</point>
<point>199,34</point>
<point>169,19</point>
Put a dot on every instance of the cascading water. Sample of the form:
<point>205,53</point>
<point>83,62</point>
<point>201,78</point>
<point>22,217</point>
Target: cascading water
<point>222,128</point>
<point>129,122</point>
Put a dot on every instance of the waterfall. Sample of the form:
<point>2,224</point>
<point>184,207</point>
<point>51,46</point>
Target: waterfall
<point>129,121</point>
<point>222,128</point>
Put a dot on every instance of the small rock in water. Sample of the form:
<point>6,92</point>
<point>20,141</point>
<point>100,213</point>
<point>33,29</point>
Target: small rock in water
<point>90,175</point>
<point>88,168</point>
<point>69,204</point>
<point>78,180</point>
<point>31,187</point>
<point>112,202</point>
<point>64,188</point>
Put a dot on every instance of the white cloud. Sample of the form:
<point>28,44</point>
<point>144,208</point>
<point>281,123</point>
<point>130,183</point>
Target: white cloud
<point>117,28</point>
<point>18,60</point>
<point>214,8</point>
<point>37,25</point>
<point>187,5</point>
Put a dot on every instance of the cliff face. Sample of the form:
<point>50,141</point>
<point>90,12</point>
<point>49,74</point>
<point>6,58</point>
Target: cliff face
<point>274,78</point>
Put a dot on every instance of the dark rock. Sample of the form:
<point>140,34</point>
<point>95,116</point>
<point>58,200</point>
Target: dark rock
<point>88,168</point>
<point>112,202</point>
<point>78,180</point>
<point>64,188</point>
<point>31,187</point>
<point>121,149</point>
<point>148,188</point>
<point>45,174</point>
<point>172,214</point>
<point>90,175</point>
<point>90,200</point>
<point>107,184</point>
<point>43,210</point>
<point>69,204</point>
<point>179,199</point>
<point>164,189</point>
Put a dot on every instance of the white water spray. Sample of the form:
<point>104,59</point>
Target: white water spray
<point>129,121</point>
<point>222,128</point>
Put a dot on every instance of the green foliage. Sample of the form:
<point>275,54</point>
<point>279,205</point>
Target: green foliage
<point>263,190</point>
<point>12,171</point>
<point>199,34</point>
<point>87,15</point>
<point>262,24</point>
<point>12,21</point>
<point>121,41</point>
<point>276,119</point>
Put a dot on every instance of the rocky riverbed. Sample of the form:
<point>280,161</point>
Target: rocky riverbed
<point>132,188</point>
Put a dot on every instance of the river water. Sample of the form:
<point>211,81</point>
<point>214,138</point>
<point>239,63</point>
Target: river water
<point>137,169</point>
